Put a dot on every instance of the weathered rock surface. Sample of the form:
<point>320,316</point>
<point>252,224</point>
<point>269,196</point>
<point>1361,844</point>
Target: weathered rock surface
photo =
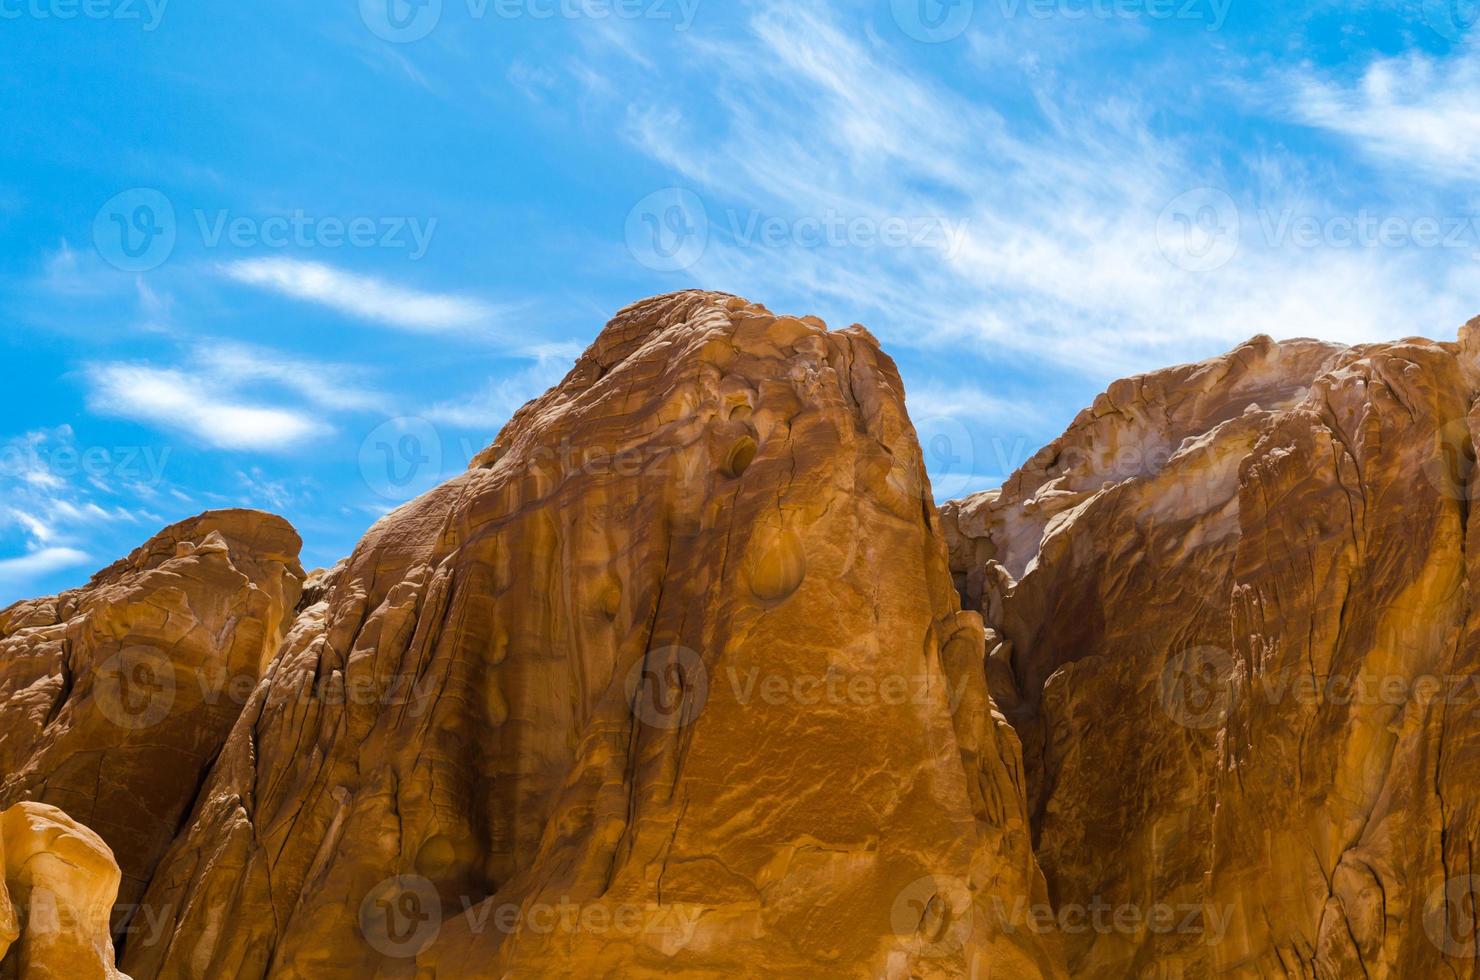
<point>56,893</point>
<point>673,681</point>
<point>116,698</point>
<point>676,680</point>
<point>1230,612</point>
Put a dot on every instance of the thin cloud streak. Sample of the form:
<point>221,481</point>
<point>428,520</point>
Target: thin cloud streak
<point>43,562</point>
<point>174,399</point>
<point>364,297</point>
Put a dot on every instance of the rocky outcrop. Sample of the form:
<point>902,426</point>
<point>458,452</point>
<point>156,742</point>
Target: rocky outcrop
<point>687,676</point>
<point>57,891</point>
<point>1230,613</point>
<point>116,698</point>
<point>672,681</point>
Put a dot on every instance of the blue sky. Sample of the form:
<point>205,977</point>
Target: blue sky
<point>310,257</point>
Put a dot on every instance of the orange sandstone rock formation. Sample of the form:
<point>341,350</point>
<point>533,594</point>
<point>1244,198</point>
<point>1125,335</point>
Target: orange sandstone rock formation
<point>1230,612</point>
<point>676,680</point>
<point>116,698</point>
<point>673,681</point>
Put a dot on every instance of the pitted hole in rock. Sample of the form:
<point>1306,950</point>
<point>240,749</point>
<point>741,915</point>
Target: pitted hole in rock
<point>738,459</point>
<point>778,564</point>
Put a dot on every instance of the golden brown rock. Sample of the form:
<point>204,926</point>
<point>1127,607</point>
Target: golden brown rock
<point>115,698</point>
<point>1244,670</point>
<point>60,881</point>
<point>673,681</point>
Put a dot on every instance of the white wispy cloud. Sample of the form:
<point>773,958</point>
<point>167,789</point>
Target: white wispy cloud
<point>1060,262</point>
<point>329,386</point>
<point>232,395</point>
<point>189,403</point>
<point>366,297</point>
<point>58,496</point>
<point>26,568</point>
<point>1412,111</point>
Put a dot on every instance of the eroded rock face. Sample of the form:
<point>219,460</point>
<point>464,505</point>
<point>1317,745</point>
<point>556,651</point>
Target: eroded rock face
<point>59,885</point>
<point>115,698</point>
<point>1243,672</point>
<point>673,681</point>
